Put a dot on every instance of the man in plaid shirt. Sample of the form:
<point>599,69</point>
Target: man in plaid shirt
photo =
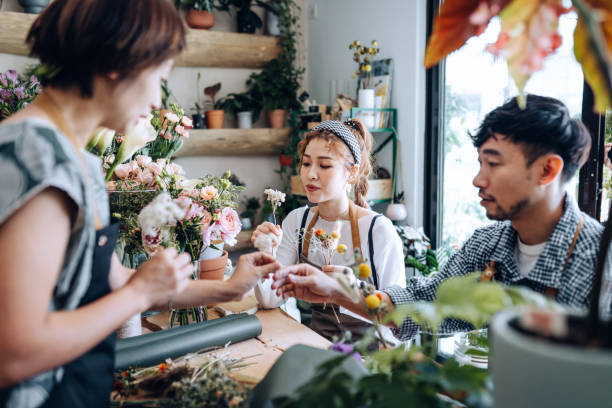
<point>540,240</point>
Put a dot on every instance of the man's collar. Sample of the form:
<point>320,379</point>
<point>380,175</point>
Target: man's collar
<point>549,266</point>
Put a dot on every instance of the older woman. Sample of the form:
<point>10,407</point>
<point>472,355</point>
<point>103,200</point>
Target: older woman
<point>63,291</point>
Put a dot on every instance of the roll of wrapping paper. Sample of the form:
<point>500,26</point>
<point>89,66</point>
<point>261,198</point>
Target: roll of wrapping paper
<point>208,334</point>
<point>144,339</point>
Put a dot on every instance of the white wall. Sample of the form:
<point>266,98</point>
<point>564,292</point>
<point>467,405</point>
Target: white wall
<point>399,26</point>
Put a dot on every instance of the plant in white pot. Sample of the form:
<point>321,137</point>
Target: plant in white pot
<point>277,11</point>
<point>540,358</point>
<point>242,105</point>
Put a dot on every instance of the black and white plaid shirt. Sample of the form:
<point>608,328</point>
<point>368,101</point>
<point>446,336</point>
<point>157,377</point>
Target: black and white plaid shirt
<point>497,242</point>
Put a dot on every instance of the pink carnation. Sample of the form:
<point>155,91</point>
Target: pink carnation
<point>154,168</point>
<point>177,169</point>
<point>172,117</point>
<point>210,233</point>
<point>182,131</point>
<point>143,160</point>
<point>230,222</point>
<point>187,122</point>
<point>209,193</point>
<point>146,177</point>
<point>122,171</point>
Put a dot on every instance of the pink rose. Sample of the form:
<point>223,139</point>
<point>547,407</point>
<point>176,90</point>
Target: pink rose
<point>230,222</point>
<point>122,171</point>
<point>209,193</point>
<point>206,217</point>
<point>143,160</point>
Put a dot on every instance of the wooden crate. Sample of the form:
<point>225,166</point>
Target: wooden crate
<point>381,189</point>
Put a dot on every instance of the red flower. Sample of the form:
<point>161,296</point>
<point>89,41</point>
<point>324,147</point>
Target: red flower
<point>285,160</point>
<point>162,367</point>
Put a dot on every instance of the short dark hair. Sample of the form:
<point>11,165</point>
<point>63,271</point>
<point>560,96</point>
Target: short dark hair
<point>543,126</point>
<point>77,40</point>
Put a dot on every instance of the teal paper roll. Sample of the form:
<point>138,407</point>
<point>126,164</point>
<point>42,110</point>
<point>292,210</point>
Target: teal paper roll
<point>208,334</point>
<point>145,339</point>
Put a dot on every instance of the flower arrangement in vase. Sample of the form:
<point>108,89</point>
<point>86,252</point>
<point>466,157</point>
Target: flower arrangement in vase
<point>16,91</point>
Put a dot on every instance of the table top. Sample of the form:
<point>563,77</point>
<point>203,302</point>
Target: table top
<point>279,332</point>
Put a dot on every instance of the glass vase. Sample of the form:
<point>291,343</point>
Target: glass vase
<point>195,314</point>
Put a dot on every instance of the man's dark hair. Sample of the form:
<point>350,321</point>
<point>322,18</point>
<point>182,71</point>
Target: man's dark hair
<point>543,127</point>
<point>77,40</point>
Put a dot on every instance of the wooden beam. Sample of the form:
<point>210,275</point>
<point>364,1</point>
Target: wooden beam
<point>13,30</point>
<point>204,48</point>
<point>232,50</point>
<point>234,142</point>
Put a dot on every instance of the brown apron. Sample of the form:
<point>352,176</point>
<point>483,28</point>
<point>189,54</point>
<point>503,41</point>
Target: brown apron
<point>326,318</point>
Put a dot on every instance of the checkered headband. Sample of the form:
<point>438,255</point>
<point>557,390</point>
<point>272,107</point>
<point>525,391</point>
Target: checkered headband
<point>345,134</point>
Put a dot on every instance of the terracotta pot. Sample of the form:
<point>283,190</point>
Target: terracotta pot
<point>214,118</point>
<point>213,269</point>
<point>201,19</point>
<point>277,118</point>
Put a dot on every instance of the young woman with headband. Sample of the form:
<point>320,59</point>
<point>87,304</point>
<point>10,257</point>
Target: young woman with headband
<point>335,157</point>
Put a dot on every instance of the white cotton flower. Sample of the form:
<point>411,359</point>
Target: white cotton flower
<point>160,212</point>
<point>266,242</point>
<point>277,197</point>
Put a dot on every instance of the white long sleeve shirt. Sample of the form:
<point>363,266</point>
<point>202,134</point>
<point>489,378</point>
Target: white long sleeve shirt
<point>388,255</point>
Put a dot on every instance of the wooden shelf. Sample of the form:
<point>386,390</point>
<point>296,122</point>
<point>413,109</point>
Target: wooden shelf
<point>234,142</point>
<point>204,48</point>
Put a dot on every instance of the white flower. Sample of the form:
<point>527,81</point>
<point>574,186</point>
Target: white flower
<point>161,212</point>
<point>275,196</point>
<point>266,242</point>
<point>141,134</point>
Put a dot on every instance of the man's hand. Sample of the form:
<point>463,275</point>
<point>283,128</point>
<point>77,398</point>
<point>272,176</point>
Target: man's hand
<point>251,268</point>
<point>306,282</point>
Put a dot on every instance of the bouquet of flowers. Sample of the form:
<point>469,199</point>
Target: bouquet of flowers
<point>16,91</point>
<point>363,57</point>
<point>192,216</point>
<point>171,128</point>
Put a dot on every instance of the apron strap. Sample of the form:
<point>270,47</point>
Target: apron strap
<point>354,217</point>
<point>302,225</point>
<point>308,233</point>
<point>550,292</point>
<point>51,108</point>
<point>371,251</point>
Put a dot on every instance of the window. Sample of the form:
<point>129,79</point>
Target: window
<point>474,82</point>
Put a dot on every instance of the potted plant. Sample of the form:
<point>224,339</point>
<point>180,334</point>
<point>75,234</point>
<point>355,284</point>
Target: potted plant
<point>214,116</point>
<point>276,88</point>
<point>276,10</point>
<point>199,12</point>
<point>244,107</point>
<point>198,116</point>
<point>251,205</point>
<point>248,21</point>
<point>545,355</point>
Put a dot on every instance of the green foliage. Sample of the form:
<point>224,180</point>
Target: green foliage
<point>251,205</point>
<point>430,261</point>
<point>468,299</point>
<point>240,102</point>
<point>166,94</point>
<point>207,5</point>
<point>276,86</point>
<point>164,147</point>
<point>398,378</point>
<point>248,20</point>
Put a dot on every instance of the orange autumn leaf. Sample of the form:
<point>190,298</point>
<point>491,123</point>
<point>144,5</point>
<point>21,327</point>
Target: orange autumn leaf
<point>586,57</point>
<point>458,21</point>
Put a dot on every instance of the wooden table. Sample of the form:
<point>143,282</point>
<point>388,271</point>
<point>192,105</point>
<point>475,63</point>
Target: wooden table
<point>279,332</point>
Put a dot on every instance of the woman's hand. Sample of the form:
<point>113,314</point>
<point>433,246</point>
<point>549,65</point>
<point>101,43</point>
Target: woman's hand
<point>268,228</point>
<point>251,268</point>
<point>163,276</point>
<point>306,282</point>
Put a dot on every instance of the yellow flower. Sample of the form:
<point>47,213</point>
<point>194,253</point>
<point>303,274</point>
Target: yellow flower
<point>341,249</point>
<point>364,270</point>
<point>367,68</point>
<point>374,43</point>
<point>372,301</point>
<point>335,235</point>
